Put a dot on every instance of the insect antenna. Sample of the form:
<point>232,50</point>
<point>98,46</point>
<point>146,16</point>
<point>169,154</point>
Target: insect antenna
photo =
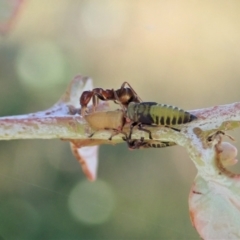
<point>126,83</point>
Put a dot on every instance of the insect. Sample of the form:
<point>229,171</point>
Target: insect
<point>134,111</point>
<point>110,120</point>
<point>152,113</point>
<point>140,143</point>
<point>123,96</point>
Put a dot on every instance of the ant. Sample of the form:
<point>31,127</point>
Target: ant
<point>123,96</point>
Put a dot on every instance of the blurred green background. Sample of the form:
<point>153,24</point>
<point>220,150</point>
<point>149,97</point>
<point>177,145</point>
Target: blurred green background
<point>184,53</point>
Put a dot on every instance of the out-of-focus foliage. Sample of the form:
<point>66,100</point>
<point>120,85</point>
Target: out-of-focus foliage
<point>176,52</point>
<point>9,9</point>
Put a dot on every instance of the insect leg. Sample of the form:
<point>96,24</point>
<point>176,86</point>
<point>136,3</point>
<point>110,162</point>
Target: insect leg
<point>175,129</point>
<point>91,134</point>
<point>115,132</point>
<point>95,102</point>
<point>140,144</point>
<point>84,100</point>
<point>134,143</point>
<point>215,134</point>
<point>131,129</point>
<point>140,127</point>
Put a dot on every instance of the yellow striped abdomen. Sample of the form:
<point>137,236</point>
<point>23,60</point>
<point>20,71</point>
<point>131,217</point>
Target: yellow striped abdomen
<point>163,114</point>
<point>151,113</point>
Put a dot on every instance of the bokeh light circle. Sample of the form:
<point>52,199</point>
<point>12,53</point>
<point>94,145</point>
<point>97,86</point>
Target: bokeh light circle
<point>41,64</point>
<point>91,203</point>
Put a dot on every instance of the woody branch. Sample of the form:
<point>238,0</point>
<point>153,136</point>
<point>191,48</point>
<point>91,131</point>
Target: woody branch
<point>59,122</point>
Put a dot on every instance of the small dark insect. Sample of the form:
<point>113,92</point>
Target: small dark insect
<point>154,114</point>
<point>138,144</point>
<point>123,96</point>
